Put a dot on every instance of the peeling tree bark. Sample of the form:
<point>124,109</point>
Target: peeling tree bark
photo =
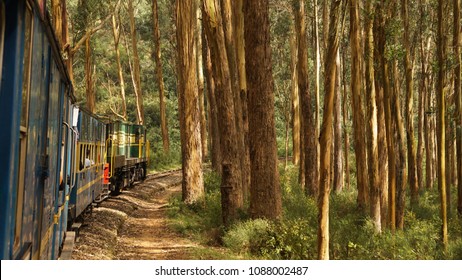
<point>337,7</point>
<point>192,184</point>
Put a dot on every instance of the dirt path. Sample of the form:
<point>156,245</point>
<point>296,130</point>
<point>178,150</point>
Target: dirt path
<point>133,225</point>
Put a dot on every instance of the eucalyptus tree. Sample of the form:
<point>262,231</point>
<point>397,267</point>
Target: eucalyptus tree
<point>265,191</point>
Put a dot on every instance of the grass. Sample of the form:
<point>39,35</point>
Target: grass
<point>352,235</point>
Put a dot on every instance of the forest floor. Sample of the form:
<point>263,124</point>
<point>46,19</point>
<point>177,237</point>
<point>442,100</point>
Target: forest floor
<point>134,225</point>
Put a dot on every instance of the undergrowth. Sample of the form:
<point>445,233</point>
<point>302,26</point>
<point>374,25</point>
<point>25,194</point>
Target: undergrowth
<point>294,236</point>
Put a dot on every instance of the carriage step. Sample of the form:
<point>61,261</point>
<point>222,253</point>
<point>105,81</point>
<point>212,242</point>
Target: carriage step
<point>68,246</point>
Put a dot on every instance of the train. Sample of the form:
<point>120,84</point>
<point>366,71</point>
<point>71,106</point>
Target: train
<point>56,159</point>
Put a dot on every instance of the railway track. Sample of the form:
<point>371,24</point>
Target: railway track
<point>117,225</point>
<point>162,174</point>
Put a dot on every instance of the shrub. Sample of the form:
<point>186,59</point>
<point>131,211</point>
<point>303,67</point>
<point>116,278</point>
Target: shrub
<point>248,236</point>
<point>290,240</point>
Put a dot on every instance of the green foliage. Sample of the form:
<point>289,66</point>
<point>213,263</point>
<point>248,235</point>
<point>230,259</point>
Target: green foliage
<point>293,239</point>
<point>248,236</point>
<point>202,220</point>
<point>160,161</point>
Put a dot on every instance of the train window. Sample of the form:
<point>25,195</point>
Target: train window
<point>23,126</point>
<point>2,35</point>
<point>79,164</point>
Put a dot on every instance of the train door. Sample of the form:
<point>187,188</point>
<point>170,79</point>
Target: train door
<point>66,133</point>
<point>51,152</point>
<point>22,244</point>
<point>55,151</point>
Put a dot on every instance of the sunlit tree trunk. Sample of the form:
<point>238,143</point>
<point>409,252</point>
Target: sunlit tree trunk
<point>159,77</point>
<point>136,66</point>
<point>116,34</point>
<point>345,127</point>
<point>295,99</point>
<point>192,184</point>
<point>421,114</point>
<point>309,139</point>
<point>458,98</point>
<point>326,130</point>
<point>213,115</point>
<point>379,41</point>
<point>338,131</point>
<point>441,99</point>
<point>402,166</point>
<point>231,185</point>
<point>384,92</point>
<point>265,192</point>
<point>57,16</point>
<point>409,74</point>
<point>428,119</point>
<point>90,93</point>
<point>317,73</point>
<point>238,13</point>
<point>229,33</point>
<point>372,125</point>
<point>358,113</point>
<point>201,84</point>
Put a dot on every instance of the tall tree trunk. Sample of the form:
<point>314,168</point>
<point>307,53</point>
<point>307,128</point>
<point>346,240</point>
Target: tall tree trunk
<point>421,115</point>
<point>213,114</point>
<point>192,184</point>
<point>231,185</point>
<point>337,7</point>
<point>89,77</point>
<point>159,77</point>
<point>358,114</point>
<point>372,125</point>
<point>228,26</point>
<point>317,73</point>
<point>379,41</point>
<point>136,66</point>
<point>201,85</point>
<point>238,13</point>
<point>399,126</point>
<point>384,92</point>
<point>428,119</point>
<point>310,149</point>
<point>409,74</point>
<point>116,34</point>
<point>265,194</point>
<point>338,131</point>
<point>441,99</point>
<point>295,99</point>
<point>345,127</point>
<point>458,98</point>
<point>57,15</point>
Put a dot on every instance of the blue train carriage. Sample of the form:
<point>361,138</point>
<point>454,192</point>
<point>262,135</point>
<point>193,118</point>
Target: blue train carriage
<point>89,164</point>
<point>127,154</point>
<point>36,140</point>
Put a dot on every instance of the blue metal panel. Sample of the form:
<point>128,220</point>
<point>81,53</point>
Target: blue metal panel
<point>48,177</point>
<point>10,108</point>
<point>36,170</point>
<point>62,204</point>
<point>53,152</point>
